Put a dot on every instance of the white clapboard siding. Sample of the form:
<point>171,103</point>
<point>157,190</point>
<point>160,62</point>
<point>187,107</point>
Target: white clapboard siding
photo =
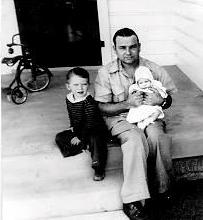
<point>146,34</point>
<point>140,18</point>
<point>126,5</point>
<point>151,20</point>
<point>190,44</point>
<point>161,59</point>
<point>190,64</point>
<point>159,47</point>
<point>188,21</point>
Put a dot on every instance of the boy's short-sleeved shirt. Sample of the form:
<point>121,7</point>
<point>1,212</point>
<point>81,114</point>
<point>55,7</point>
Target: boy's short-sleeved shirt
<point>112,86</point>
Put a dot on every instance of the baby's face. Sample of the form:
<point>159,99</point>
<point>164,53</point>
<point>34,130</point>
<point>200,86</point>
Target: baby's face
<point>144,83</point>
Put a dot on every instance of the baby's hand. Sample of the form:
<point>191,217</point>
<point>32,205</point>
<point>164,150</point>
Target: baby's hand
<point>152,99</point>
<point>135,99</point>
<point>75,141</point>
<point>154,90</point>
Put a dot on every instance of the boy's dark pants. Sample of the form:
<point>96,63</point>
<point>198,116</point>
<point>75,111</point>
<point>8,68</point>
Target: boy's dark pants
<point>98,150</point>
<point>97,147</point>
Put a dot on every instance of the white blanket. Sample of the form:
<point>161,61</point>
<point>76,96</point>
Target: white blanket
<point>142,112</point>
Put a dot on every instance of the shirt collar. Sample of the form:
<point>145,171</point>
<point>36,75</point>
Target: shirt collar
<point>116,65</point>
<point>71,98</point>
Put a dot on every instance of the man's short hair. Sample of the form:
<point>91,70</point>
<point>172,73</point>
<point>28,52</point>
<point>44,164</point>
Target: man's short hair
<point>124,32</point>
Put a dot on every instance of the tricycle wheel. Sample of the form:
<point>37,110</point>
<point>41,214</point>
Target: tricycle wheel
<point>19,95</point>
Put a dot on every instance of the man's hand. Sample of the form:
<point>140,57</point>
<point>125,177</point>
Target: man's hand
<point>153,98</point>
<point>135,99</point>
<point>75,141</point>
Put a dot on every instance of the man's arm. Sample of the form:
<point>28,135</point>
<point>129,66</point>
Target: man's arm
<point>112,109</point>
<point>156,99</point>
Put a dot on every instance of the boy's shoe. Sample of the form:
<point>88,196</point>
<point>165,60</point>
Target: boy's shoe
<point>99,173</point>
<point>98,176</point>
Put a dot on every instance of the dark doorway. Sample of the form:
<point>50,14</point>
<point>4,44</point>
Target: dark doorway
<point>60,32</point>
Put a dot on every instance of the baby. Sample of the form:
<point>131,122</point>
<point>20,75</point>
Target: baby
<point>144,115</point>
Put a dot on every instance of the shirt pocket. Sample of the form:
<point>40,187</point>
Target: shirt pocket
<point>118,94</point>
<point>118,90</point>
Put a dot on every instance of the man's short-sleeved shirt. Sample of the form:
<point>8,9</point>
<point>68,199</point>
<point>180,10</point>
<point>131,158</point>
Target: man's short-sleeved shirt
<point>112,86</point>
<point>112,82</point>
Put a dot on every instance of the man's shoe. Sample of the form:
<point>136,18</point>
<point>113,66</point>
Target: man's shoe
<point>135,211</point>
<point>166,195</point>
<point>166,198</point>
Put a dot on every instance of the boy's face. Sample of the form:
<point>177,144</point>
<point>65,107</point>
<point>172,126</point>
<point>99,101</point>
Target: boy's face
<point>78,86</point>
<point>144,83</point>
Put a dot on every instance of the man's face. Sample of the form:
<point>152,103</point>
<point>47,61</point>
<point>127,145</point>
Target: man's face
<point>127,49</point>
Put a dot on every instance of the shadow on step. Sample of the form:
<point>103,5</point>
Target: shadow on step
<point>187,203</point>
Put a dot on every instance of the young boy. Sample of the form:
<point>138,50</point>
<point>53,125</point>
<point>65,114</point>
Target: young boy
<point>144,115</point>
<point>86,122</point>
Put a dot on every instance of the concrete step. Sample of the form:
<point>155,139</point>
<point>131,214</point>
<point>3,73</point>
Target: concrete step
<point>53,166</point>
<point>48,185</point>
<point>75,195</point>
<point>43,186</point>
<point>111,215</point>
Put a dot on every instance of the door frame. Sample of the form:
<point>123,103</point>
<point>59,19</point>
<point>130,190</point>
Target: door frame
<point>104,30</point>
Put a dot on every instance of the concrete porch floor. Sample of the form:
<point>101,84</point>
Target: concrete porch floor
<point>39,184</point>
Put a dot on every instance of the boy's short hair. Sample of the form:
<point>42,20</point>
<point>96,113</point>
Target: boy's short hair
<point>79,72</point>
<point>124,32</point>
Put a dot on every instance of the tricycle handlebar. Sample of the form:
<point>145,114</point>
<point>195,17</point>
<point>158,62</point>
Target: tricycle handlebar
<point>14,43</point>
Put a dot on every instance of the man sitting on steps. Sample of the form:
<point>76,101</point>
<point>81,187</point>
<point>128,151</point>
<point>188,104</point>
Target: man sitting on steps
<point>138,146</point>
